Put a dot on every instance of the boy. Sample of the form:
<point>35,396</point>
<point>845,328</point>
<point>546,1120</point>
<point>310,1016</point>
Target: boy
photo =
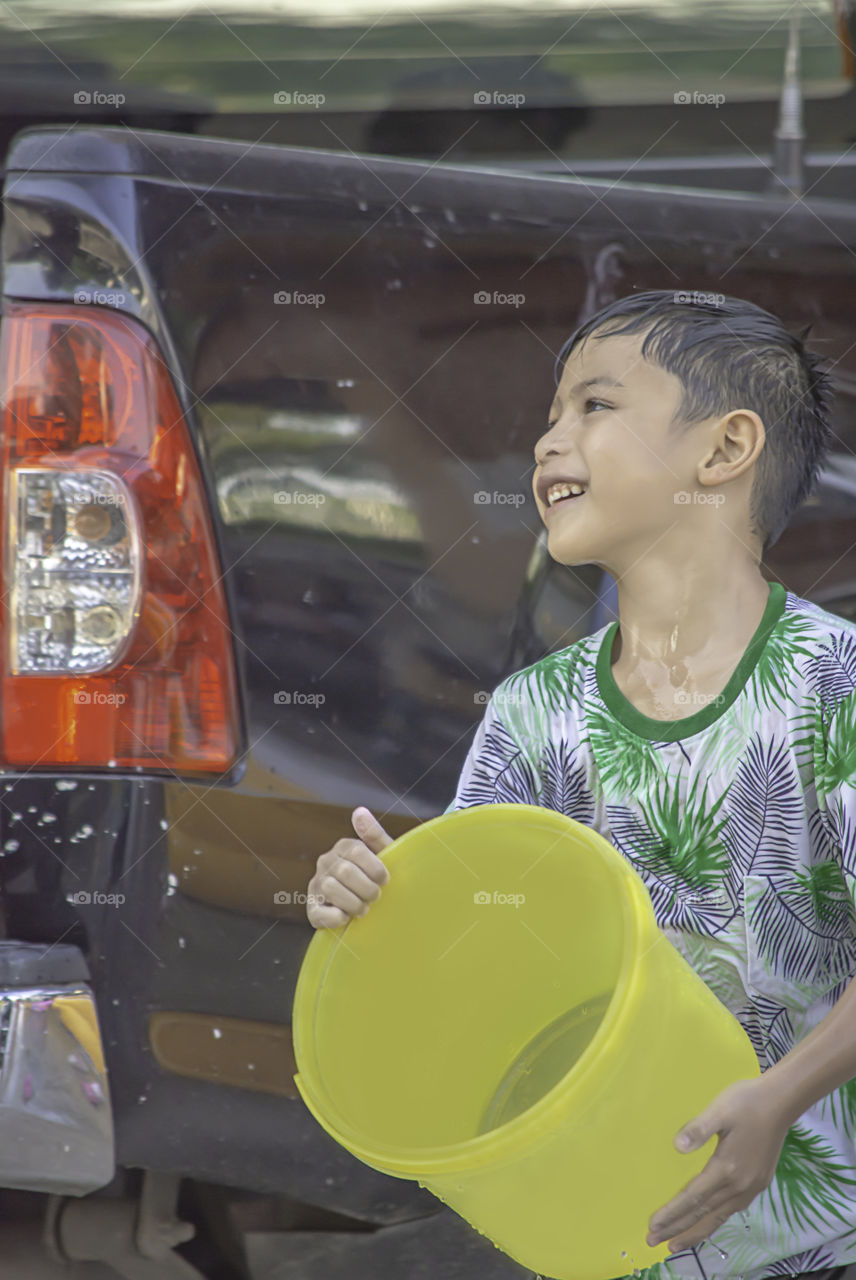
<point>710,735</point>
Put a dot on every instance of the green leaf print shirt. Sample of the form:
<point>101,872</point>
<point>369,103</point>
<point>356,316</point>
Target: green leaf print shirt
<point>741,820</point>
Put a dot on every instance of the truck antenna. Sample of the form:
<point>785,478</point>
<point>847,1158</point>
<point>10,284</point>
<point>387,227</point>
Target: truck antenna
<point>788,162</point>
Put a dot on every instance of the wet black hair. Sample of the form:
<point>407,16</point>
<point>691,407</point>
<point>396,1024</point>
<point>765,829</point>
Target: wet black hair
<point>731,354</point>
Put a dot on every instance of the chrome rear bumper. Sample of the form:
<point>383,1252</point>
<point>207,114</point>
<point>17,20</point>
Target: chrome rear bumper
<point>56,1123</point>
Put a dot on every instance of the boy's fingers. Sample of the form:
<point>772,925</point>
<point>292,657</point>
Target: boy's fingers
<point>369,829</point>
<point>324,916</point>
<point>337,894</point>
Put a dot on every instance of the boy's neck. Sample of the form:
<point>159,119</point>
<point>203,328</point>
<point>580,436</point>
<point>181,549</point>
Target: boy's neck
<point>683,632</point>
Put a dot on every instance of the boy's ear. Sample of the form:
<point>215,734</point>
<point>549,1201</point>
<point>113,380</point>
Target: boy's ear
<point>710,458</point>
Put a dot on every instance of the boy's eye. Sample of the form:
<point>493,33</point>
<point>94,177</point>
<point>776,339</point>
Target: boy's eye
<point>592,400</point>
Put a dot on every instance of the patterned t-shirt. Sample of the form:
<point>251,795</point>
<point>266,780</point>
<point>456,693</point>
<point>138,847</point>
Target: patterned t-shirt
<point>741,821</point>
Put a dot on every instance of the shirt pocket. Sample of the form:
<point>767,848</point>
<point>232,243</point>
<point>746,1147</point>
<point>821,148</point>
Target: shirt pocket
<point>799,945</point>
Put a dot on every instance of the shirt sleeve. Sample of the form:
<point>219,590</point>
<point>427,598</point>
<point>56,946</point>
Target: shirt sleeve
<point>496,770</point>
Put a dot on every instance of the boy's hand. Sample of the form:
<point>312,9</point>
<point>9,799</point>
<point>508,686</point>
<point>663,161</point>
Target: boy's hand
<point>752,1129</point>
<point>349,876</point>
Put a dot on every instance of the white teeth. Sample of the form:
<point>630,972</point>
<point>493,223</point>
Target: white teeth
<point>562,490</point>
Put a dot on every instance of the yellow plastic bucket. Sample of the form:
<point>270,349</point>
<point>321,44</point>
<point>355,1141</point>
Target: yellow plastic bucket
<point>508,1026</point>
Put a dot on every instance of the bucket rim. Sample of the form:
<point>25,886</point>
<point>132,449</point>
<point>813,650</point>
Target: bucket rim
<point>502,1144</point>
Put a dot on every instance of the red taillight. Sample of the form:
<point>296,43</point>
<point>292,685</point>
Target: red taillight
<point>116,645</point>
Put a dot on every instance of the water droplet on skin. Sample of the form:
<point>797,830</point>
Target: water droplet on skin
<point>216,1033</point>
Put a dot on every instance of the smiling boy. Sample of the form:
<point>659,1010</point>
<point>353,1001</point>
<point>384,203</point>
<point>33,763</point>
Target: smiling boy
<point>709,733</point>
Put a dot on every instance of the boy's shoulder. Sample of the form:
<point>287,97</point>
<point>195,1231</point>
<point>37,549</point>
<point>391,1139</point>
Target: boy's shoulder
<point>822,646</point>
<point>551,679</point>
<point>816,624</point>
<point>824,618</point>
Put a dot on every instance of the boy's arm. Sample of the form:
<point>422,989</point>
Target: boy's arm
<point>752,1117</point>
<point>825,1059</point>
<point>496,770</point>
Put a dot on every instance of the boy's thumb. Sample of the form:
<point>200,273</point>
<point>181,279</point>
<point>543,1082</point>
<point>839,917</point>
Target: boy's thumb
<point>369,829</point>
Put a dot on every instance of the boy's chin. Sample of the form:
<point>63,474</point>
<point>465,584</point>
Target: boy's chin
<point>568,551</point>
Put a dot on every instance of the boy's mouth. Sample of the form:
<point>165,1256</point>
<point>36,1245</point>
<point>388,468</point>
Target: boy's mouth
<point>564,502</point>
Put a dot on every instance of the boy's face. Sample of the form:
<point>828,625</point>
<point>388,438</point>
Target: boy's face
<point>616,441</point>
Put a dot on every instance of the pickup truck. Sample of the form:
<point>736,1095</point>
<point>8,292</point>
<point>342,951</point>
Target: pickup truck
<point>269,543</point>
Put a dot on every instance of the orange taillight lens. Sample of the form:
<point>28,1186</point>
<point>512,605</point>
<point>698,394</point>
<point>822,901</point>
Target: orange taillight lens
<point>117,649</point>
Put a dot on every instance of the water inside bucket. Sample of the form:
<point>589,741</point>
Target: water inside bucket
<point>547,1057</point>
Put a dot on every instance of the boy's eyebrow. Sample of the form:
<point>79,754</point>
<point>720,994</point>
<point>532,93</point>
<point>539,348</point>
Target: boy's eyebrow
<point>590,382</point>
